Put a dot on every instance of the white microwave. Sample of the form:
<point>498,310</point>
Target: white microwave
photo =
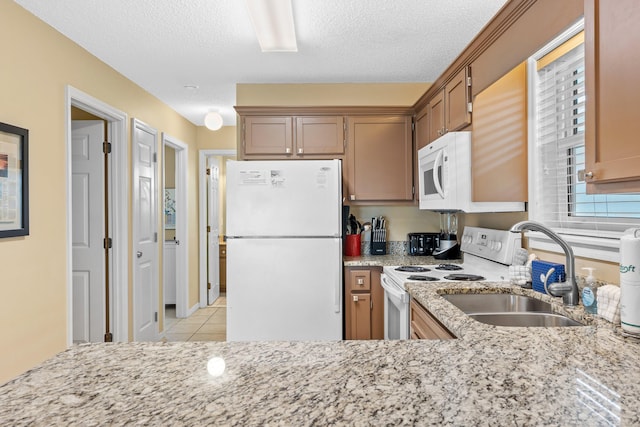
<point>445,177</point>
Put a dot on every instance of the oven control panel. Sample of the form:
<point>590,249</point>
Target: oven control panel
<point>494,245</point>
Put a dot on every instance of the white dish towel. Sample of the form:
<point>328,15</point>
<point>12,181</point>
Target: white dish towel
<point>609,303</point>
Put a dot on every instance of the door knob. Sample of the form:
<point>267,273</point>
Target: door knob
<point>139,254</point>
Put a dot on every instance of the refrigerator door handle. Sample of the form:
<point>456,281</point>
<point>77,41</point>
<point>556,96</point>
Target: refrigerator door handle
<point>338,300</point>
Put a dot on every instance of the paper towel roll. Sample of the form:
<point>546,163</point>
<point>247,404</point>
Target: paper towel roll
<point>630,280</point>
<point>630,255</point>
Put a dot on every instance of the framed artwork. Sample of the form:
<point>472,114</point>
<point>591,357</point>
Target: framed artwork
<point>170,208</point>
<point>14,181</point>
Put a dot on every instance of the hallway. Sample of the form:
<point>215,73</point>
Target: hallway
<point>206,324</point>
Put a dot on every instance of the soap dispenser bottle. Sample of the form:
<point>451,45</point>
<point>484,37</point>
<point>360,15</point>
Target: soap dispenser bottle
<point>589,292</point>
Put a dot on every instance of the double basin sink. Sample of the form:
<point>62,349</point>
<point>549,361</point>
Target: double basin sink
<point>509,310</point>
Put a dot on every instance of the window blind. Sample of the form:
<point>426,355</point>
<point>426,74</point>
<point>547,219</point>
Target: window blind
<point>560,126</point>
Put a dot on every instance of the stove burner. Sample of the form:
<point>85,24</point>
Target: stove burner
<point>412,269</point>
<point>422,278</point>
<point>464,277</point>
<point>448,267</point>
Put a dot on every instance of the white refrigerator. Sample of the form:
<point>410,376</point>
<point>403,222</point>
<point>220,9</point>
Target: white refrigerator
<point>284,250</point>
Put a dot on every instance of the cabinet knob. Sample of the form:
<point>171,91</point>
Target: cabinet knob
<point>287,150</point>
<point>355,298</point>
<point>353,197</point>
<point>583,176</point>
<point>360,281</point>
<point>300,150</point>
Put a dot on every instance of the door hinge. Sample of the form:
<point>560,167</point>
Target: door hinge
<point>155,237</point>
<point>208,229</point>
<point>156,316</point>
<point>413,190</point>
<point>155,157</point>
<point>469,107</point>
<point>371,304</point>
<point>208,285</point>
<point>469,81</point>
<point>413,126</point>
<point>107,243</point>
<point>208,171</point>
<point>106,147</point>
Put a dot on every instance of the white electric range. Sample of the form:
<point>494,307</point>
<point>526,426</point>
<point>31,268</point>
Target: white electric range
<point>487,254</point>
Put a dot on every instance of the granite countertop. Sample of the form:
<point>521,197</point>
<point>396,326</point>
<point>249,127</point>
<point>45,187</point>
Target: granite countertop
<point>490,375</point>
<point>393,259</point>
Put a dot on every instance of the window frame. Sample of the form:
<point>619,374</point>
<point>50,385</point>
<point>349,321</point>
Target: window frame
<point>598,245</point>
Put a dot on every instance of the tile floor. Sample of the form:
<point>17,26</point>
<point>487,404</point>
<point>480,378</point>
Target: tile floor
<point>206,324</point>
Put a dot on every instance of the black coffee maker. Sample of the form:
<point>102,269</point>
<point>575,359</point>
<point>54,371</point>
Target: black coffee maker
<point>448,247</point>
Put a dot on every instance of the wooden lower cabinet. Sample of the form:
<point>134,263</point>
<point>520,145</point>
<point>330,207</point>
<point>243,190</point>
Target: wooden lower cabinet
<point>364,303</point>
<point>426,327</point>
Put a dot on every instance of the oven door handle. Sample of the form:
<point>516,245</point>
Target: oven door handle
<point>436,164</point>
<point>403,296</point>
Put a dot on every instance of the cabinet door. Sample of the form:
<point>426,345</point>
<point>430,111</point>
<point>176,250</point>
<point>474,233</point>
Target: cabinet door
<point>436,116</point>
<point>612,153</point>
<point>499,140</point>
<point>425,326</point>
<point>360,316</point>
<point>320,135</point>
<point>268,135</point>
<point>380,156</point>
<point>422,128</point>
<point>457,102</point>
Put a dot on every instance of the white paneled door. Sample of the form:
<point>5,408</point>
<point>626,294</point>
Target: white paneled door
<point>145,237</point>
<point>88,231</point>
<point>213,234</point>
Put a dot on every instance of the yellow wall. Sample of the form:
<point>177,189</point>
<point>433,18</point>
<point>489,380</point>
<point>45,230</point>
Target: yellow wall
<point>38,65</point>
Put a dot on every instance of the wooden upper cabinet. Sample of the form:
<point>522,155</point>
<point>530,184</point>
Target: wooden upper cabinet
<point>449,109</point>
<point>436,116</point>
<point>288,137</point>
<point>268,135</point>
<point>457,97</point>
<point>499,140</point>
<point>380,158</point>
<point>422,128</point>
<point>612,152</point>
<point>320,135</point>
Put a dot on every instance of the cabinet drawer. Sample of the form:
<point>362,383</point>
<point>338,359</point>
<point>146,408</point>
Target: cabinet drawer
<point>360,280</point>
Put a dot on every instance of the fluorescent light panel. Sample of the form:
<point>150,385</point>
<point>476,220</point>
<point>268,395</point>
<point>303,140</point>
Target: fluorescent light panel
<point>273,22</point>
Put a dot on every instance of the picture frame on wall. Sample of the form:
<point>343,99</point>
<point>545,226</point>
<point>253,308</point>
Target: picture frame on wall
<point>14,181</point>
<point>170,208</point>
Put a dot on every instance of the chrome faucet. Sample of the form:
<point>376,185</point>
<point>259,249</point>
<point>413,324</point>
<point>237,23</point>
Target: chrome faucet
<point>568,290</point>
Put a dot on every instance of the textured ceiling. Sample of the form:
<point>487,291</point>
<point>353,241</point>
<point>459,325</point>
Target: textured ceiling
<point>163,45</point>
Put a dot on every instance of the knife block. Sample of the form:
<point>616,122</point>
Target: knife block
<point>379,248</point>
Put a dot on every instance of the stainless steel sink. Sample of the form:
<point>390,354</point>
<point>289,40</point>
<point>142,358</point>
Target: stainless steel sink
<point>509,310</point>
<point>525,319</point>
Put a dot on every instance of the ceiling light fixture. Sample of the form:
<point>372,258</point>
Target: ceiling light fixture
<point>273,22</point>
<point>213,120</point>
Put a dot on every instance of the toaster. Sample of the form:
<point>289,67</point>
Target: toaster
<point>422,243</point>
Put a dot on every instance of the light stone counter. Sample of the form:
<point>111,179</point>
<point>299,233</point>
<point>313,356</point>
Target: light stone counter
<point>488,376</point>
<point>393,259</point>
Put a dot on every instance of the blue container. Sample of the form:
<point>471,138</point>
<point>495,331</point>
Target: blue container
<point>539,270</point>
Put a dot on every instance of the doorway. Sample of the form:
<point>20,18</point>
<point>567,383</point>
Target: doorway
<point>115,324</point>
<point>212,189</point>
<point>176,236</point>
